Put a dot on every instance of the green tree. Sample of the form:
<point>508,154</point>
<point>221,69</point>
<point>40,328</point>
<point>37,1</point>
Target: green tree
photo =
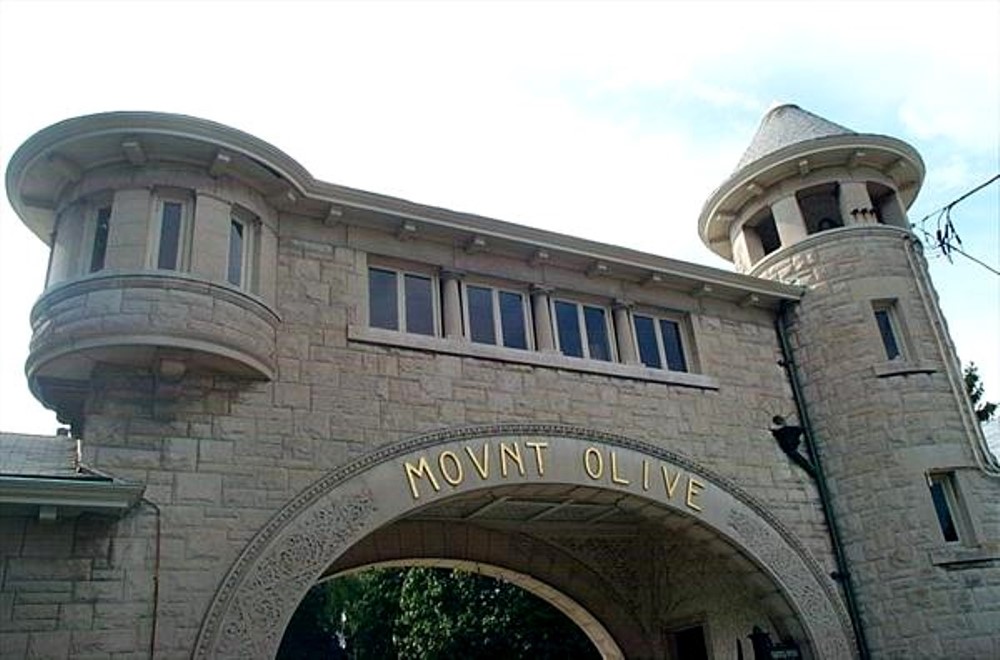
<point>974,387</point>
<point>426,614</point>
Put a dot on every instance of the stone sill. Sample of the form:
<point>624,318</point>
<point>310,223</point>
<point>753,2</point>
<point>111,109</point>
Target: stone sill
<point>960,556</point>
<point>901,368</point>
<point>551,360</point>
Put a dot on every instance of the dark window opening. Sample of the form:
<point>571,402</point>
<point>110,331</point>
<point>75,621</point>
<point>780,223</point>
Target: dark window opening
<point>672,346</point>
<point>568,327</point>
<point>820,207</point>
<point>598,344</point>
<point>689,644</point>
<point>512,321</point>
<point>100,248</point>
<point>888,210</point>
<point>481,326</point>
<point>766,230</point>
<point>234,273</point>
<point>645,336</point>
<point>170,236</point>
<point>419,305</point>
<point>941,493</point>
<point>383,306</point>
<point>885,327</point>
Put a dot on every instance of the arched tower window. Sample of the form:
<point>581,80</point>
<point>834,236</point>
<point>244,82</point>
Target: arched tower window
<point>763,228</point>
<point>820,207</point>
<point>888,210</point>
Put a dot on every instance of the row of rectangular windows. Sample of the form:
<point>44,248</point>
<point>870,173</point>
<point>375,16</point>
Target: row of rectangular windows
<point>170,231</point>
<point>407,302</point>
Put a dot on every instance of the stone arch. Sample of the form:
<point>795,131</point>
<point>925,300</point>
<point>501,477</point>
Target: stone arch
<point>260,593</point>
<point>595,631</point>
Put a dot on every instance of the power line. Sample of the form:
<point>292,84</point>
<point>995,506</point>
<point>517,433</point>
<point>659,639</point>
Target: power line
<point>946,236</point>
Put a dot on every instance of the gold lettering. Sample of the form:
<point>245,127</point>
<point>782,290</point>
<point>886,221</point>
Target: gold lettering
<point>645,474</point>
<point>459,474</point>
<point>539,460</point>
<point>514,451</point>
<point>596,471</point>
<point>694,488</point>
<point>482,468</point>
<point>423,469</point>
<point>668,484</point>
<point>615,477</point>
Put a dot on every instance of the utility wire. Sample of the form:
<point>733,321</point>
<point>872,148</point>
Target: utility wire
<point>946,231</point>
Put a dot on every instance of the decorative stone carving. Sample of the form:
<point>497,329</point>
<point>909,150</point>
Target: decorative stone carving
<point>265,585</point>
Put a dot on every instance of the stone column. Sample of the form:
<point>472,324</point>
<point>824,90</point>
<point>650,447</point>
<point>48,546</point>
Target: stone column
<point>210,237</point>
<point>452,304</point>
<point>788,220</point>
<point>623,332</point>
<point>856,206</point>
<point>545,341</point>
<point>747,248</point>
<point>128,230</point>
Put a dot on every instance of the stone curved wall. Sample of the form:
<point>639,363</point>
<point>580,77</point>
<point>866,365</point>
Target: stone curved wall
<point>881,426</point>
<point>135,319</point>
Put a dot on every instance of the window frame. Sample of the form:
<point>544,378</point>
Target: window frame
<point>183,258</point>
<point>248,258</point>
<point>91,209</point>
<point>954,507</point>
<point>889,309</point>
<point>499,338</point>
<point>581,304</point>
<point>684,335</point>
<point>400,278</point>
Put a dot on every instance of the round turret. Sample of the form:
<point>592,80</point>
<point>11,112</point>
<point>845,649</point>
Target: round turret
<point>803,175</point>
<point>163,231</point>
<point>818,205</point>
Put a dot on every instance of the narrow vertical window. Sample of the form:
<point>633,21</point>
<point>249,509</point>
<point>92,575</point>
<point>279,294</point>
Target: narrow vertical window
<point>419,304</point>
<point>100,247</point>
<point>598,345</point>
<point>481,324</point>
<point>885,319</point>
<point>170,236</point>
<point>383,308</point>
<point>236,252</point>
<point>568,326</point>
<point>645,336</point>
<point>672,345</point>
<point>943,497</point>
<point>512,320</point>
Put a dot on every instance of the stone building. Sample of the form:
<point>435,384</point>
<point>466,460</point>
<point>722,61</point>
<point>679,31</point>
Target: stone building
<point>269,380</point>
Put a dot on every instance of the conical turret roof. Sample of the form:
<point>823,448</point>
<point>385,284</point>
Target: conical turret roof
<point>786,125</point>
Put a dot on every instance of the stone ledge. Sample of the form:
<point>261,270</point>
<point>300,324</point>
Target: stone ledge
<point>551,360</point>
<point>959,557</point>
<point>901,368</point>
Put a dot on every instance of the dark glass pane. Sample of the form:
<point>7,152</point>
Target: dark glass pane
<point>512,320</point>
<point>943,511</point>
<point>419,305</point>
<point>170,236</point>
<point>888,336</point>
<point>673,347</point>
<point>383,309</point>
<point>481,329</point>
<point>235,272</point>
<point>100,239</point>
<point>569,329</point>
<point>645,336</point>
<point>597,334</point>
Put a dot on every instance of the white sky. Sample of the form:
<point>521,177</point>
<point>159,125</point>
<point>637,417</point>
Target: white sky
<point>609,121</point>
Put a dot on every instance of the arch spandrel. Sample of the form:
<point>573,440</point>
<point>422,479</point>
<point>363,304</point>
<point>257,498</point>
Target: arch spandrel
<point>257,598</point>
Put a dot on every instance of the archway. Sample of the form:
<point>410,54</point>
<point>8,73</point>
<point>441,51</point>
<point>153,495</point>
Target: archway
<point>397,486</point>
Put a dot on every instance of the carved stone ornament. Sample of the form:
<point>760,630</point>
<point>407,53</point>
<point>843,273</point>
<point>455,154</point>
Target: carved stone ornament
<point>258,596</point>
